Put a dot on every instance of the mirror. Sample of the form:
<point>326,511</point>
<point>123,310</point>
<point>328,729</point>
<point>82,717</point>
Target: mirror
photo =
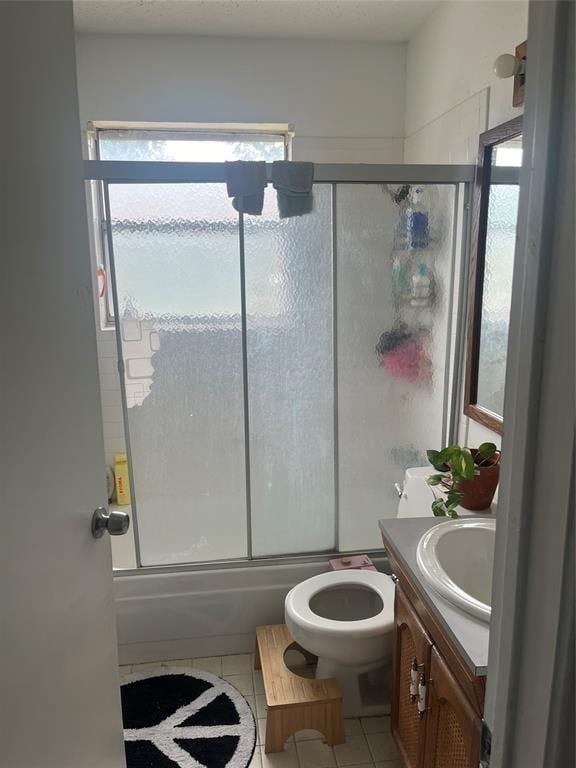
<point>494,215</point>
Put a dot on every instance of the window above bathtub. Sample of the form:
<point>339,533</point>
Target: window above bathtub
<point>172,142</point>
<point>190,142</point>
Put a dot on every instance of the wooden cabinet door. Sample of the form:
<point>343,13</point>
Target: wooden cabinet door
<point>412,644</point>
<point>453,729</point>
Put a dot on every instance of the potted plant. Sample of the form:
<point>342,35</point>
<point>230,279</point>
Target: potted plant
<point>467,477</point>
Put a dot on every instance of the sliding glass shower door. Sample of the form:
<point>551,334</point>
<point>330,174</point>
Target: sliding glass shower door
<point>290,366</point>
<point>395,257</point>
<point>279,375</point>
<point>177,281</point>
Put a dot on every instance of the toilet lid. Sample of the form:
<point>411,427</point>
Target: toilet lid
<point>298,601</point>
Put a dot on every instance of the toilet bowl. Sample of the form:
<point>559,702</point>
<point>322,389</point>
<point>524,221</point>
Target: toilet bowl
<point>346,618</point>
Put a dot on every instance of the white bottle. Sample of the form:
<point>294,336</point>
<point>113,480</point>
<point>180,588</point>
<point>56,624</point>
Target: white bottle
<point>420,287</point>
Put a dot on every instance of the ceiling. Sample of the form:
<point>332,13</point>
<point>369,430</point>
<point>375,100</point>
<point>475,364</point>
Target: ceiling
<point>376,20</point>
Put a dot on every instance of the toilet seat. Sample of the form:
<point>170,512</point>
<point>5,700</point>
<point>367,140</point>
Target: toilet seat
<point>298,603</point>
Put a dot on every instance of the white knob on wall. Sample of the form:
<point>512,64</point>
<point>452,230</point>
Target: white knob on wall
<point>508,65</point>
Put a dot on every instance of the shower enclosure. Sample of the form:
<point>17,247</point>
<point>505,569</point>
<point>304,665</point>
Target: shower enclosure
<point>279,376</point>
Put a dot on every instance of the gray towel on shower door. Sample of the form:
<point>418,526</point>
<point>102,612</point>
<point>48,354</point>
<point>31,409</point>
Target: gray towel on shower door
<point>293,185</point>
<point>246,180</point>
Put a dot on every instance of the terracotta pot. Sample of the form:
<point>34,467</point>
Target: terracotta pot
<point>479,493</point>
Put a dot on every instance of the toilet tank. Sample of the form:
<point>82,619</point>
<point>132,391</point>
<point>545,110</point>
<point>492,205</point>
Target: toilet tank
<point>416,495</point>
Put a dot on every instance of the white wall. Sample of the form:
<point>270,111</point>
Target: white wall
<point>346,99</point>
<point>452,95</point>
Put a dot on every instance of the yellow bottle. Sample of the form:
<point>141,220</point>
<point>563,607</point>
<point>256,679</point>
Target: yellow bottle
<point>122,479</point>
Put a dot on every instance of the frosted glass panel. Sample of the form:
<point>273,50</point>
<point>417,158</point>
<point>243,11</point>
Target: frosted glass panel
<point>394,263</point>
<point>497,294</point>
<point>177,273</point>
<point>290,378</point>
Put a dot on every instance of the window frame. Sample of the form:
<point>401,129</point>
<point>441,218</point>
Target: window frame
<point>100,236</point>
<point>480,200</point>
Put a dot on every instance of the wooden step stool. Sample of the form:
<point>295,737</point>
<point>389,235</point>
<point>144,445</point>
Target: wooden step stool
<point>294,703</point>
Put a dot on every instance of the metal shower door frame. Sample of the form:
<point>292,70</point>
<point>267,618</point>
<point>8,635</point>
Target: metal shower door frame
<point>109,172</point>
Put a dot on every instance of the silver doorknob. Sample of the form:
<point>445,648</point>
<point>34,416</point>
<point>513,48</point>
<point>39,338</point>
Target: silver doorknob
<point>115,522</point>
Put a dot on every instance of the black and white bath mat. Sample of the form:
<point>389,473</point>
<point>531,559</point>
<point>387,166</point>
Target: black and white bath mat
<point>176,717</point>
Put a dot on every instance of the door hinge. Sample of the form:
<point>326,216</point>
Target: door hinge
<point>485,745</point>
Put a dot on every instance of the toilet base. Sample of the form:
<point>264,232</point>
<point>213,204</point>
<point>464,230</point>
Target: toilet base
<point>365,689</point>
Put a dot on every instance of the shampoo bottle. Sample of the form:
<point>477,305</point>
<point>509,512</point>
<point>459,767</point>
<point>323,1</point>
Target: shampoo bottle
<point>417,216</point>
<point>122,479</point>
<point>421,286</point>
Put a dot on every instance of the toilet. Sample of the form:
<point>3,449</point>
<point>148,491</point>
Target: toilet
<point>346,619</point>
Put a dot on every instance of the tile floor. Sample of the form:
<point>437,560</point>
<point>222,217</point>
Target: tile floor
<point>369,743</point>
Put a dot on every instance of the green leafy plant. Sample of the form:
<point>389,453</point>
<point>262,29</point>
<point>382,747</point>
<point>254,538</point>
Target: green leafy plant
<point>455,465</point>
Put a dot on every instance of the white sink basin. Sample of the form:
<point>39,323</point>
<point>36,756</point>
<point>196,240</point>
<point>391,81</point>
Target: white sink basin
<point>456,560</point>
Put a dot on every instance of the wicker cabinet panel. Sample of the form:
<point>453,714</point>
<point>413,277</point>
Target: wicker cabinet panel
<point>412,645</point>
<point>453,728</point>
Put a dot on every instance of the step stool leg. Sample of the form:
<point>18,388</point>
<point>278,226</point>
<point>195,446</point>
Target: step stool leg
<point>334,732</point>
<point>276,734</point>
<point>257,663</point>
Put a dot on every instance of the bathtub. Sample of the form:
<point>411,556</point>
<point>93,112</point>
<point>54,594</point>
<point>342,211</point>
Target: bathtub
<point>187,614</point>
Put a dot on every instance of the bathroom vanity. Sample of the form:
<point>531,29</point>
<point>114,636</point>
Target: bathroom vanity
<point>440,662</point>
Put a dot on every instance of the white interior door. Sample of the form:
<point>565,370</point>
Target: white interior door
<point>58,687</point>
